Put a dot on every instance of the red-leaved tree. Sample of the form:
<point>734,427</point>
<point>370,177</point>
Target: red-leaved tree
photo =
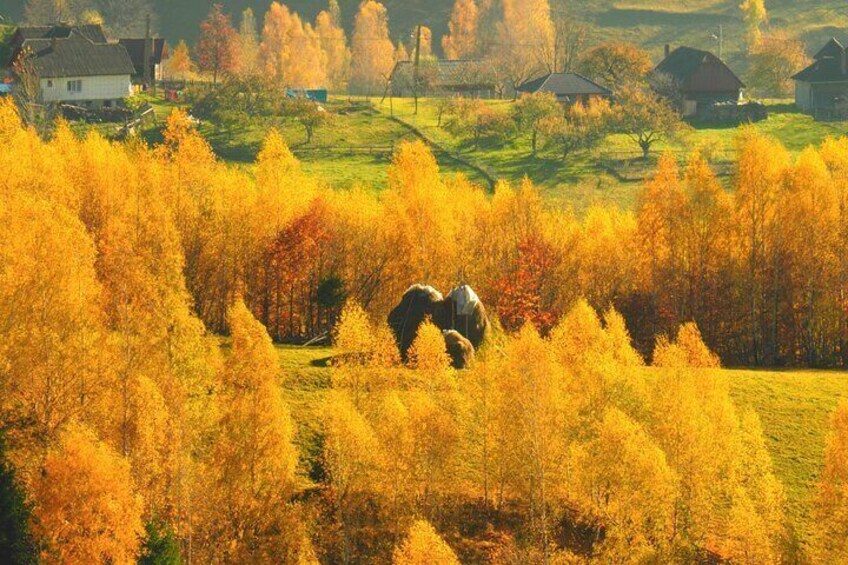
<point>217,49</point>
<point>520,294</point>
<point>294,266</point>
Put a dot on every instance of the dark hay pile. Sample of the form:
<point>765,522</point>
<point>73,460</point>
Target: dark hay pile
<point>421,302</point>
<point>460,349</point>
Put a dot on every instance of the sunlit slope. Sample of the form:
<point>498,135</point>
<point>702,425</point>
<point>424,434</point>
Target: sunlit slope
<point>794,407</point>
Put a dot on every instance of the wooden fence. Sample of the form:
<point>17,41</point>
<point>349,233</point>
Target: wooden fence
<point>385,150</point>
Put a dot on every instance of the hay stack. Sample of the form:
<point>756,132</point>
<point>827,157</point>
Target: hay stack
<point>418,303</point>
<point>467,315</point>
<point>461,313</point>
<point>460,349</point>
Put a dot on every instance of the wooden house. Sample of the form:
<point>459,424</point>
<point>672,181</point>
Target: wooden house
<point>157,53</point>
<point>75,64</point>
<point>701,79</point>
<point>455,77</point>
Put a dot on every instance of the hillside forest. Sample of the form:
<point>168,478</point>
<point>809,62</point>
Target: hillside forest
<point>143,412</point>
<point>196,359</point>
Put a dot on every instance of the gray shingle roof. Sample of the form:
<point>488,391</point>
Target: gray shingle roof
<point>827,69</point>
<point>682,62</point>
<point>565,84</point>
<point>831,49</point>
<point>135,48</point>
<point>66,52</point>
<point>826,66</point>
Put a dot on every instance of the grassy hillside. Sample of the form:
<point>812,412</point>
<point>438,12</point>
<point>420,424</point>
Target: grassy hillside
<point>354,148</point>
<point>794,407</point>
<point>652,24</point>
<point>583,180</point>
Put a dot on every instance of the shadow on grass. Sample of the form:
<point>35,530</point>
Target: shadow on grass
<point>153,136</point>
<point>236,152</point>
<point>783,108</point>
<point>323,362</point>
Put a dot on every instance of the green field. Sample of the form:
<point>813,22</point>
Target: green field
<point>581,181</point>
<point>794,407</point>
<point>353,148</point>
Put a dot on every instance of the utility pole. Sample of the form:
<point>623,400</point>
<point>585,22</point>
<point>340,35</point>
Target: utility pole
<point>415,68</point>
<point>720,39</point>
<point>148,48</point>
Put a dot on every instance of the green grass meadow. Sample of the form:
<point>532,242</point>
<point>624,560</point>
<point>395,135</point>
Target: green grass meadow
<point>354,149</point>
<point>580,181</point>
<point>794,407</point>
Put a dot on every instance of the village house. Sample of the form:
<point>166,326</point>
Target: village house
<point>75,64</point>
<point>701,79</point>
<point>569,88</point>
<point>822,88</point>
<point>157,54</point>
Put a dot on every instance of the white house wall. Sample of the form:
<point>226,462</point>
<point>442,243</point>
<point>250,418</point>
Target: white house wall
<point>114,87</point>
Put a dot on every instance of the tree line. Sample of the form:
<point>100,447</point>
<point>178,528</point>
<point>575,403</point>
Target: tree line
<point>510,43</point>
<point>759,267</point>
<point>130,433</point>
<point>514,40</point>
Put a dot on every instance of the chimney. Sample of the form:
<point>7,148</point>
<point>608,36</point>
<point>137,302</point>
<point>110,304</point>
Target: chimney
<point>667,49</point>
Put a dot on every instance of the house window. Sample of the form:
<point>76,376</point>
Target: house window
<point>75,85</point>
<point>49,84</point>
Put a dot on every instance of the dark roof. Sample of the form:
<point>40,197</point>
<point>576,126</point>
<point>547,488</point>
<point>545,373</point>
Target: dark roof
<point>92,32</point>
<point>826,66</point>
<point>63,52</point>
<point>699,70</point>
<point>135,48</point>
<point>832,49</point>
<point>565,84</point>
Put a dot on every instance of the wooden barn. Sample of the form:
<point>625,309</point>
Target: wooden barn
<point>701,78</point>
<point>569,88</point>
<point>822,88</point>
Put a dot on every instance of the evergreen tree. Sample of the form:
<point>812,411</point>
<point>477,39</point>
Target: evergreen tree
<point>160,545</point>
<point>17,546</point>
